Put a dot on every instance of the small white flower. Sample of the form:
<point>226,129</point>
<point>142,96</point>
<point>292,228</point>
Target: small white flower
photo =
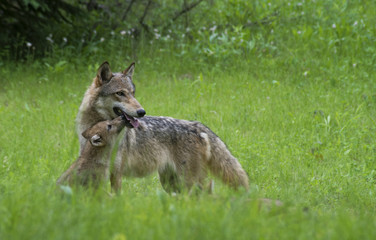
<point>123,32</point>
<point>299,4</point>
<point>157,36</point>
<point>299,32</point>
<point>65,39</point>
<point>272,31</point>
<point>213,28</point>
<point>188,29</point>
<point>112,33</point>
<point>95,31</point>
<point>83,40</point>
<point>354,64</point>
<point>155,30</point>
<point>302,13</point>
<point>29,44</point>
<point>355,23</point>
<point>183,35</point>
<point>169,30</point>
<point>305,73</point>
<point>49,39</point>
<point>334,25</point>
<point>168,36</point>
<point>269,4</point>
<point>102,39</point>
<point>288,4</point>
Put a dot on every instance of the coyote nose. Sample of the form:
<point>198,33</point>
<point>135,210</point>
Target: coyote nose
<point>141,112</point>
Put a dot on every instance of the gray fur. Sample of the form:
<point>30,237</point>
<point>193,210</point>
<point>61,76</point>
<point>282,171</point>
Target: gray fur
<point>179,152</point>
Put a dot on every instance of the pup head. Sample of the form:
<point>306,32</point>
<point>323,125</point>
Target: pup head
<point>116,95</point>
<point>104,132</point>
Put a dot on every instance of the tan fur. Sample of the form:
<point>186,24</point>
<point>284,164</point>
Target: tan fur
<point>92,166</point>
<point>183,152</point>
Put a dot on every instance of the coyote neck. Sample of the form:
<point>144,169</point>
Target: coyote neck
<point>87,114</point>
<point>95,156</point>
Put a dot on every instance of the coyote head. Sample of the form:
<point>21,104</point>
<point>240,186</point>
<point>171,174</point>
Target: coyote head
<point>104,132</point>
<point>116,95</point>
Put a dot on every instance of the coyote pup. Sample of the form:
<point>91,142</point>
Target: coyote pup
<point>92,166</point>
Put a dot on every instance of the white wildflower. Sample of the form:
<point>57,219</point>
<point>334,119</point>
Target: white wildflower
<point>49,39</point>
<point>213,28</point>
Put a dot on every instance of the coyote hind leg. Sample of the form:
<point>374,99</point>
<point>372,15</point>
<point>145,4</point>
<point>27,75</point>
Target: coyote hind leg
<point>169,180</point>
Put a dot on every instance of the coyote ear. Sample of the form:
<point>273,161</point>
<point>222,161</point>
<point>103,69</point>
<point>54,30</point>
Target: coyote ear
<point>104,74</point>
<point>129,71</point>
<point>96,140</point>
<point>86,134</point>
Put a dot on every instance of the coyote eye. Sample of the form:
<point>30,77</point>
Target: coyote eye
<point>121,94</point>
<point>109,127</point>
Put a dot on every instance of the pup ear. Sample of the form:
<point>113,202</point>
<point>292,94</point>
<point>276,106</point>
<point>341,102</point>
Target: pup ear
<point>129,71</point>
<point>96,140</point>
<point>104,74</point>
<point>86,134</point>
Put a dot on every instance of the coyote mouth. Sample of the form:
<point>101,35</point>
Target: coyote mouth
<point>131,122</point>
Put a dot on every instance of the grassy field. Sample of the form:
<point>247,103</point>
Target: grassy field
<point>295,101</point>
<point>307,139</point>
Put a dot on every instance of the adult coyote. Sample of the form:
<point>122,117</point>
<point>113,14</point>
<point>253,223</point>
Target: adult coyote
<point>182,152</point>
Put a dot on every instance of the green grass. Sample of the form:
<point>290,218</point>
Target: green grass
<point>297,108</point>
<point>304,140</point>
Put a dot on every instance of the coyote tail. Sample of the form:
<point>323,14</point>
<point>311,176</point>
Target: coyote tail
<point>225,166</point>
